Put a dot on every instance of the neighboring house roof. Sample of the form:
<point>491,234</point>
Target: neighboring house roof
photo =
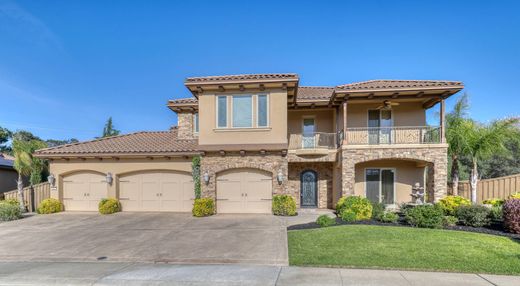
<point>6,161</point>
<point>399,84</point>
<point>314,92</point>
<point>138,143</point>
<point>242,78</point>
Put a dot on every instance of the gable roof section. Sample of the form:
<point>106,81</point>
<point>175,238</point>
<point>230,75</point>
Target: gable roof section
<point>241,78</point>
<point>399,84</point>
<point>138,143</point>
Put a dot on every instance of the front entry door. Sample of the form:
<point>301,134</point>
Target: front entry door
<point>309,189</point>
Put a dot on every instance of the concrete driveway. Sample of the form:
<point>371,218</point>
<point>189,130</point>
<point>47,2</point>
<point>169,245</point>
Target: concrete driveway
<point>146,237</point>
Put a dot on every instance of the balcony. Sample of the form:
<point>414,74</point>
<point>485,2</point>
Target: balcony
<point>393,135</point>
<point>316,143</point>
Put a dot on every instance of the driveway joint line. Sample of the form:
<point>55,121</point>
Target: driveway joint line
<point>487,280</point>
<point>407,281</point>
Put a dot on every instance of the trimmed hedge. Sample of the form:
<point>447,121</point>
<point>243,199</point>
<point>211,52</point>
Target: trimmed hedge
<point>511,211</point>
<point>361,207</point>
<point>473,215</point>
<point>49,206</point>
<point>425,216</point>
<point>203,207</point>
<point>325,220</point>
<point>9,211</point>
<point>109,206</point>
<point>449,204</point>
<point>284,205</point>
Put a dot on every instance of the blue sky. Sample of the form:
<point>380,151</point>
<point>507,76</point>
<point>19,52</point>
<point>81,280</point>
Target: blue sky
<point>66,66</point>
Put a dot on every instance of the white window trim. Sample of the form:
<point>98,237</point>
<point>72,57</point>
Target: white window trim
<point>381,182</point>
<point>258,110</point>
<point>252,111</point>
<point>229,113</point>
<point>217,111</point>
<point>196,123</point>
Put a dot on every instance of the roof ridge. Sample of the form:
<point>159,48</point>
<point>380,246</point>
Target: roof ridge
<point>311,86</point>
<point>400,80</point>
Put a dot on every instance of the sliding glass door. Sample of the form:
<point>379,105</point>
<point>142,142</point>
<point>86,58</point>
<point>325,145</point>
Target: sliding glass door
<point>380,125</point>
<point>380,185</point>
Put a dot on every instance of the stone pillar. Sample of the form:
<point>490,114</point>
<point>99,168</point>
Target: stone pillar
<point>348,170</point>
<point>440,177</point>
<point>185,125</point>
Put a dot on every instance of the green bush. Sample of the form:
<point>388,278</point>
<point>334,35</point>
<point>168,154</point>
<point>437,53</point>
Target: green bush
<point>203,207</point>
<point>348,216</point>
<point>425,216</point>
<point>494,202</point>
<point>13,202</point>
<point>49,206</point>
<point>449,204</point>
<point>284,205</point>
<point>512,215</point>
<point>378,210</point>
<point>109,206</point>
<point>515,196</point>
<point>389,217</point>
<point>449,220</point>
<point>361,207</point>
<point>325,220</point>
<point>474,215</point>
<point>9,211</point>
<point>496,213</point>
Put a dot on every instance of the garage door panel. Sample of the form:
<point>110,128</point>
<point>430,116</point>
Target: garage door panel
<point>188,195</point>
<point>83,191</point>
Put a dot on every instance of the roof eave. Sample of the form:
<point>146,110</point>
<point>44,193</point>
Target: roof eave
<point>118,155</point>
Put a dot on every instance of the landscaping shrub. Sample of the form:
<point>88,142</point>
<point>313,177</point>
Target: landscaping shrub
<point>284,205</point>
<point>449,204</point>
<point>511,210</point>
<point>361,207</point>
<point>515,196</point>
<point>49,206</point>
<point>109,206</point>
<point>494,202</point>
<point>9,211</point>
<point>378,210</point>
<point>13,202</point>
<point>449,220</point>
<point>389,217</point>
<point>496,213</point>
<point>325,220</point>
<point>203,207</point>
<point>473,215</point>
<point>348,216</point>
<point>426,216</point>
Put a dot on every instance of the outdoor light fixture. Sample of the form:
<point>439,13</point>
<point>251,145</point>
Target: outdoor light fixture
<point>109,178</point>
<point>206,178</point>
<point>279,177</point>
<point>51,179</point>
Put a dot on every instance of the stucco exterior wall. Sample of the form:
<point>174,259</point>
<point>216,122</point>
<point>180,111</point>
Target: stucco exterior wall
<point>324,184</point>
<point>61,168</point>
<point>323,120</point>
<point>405,114</point>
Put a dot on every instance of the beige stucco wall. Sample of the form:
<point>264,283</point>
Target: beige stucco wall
<point>324,120</point>
<point>275,133</point>
<point>8,179</point>
<point>407,173</point>
<point>405,114</point>
<point>61,168</point>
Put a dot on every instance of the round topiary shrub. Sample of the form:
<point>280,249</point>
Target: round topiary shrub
<point>511,213</point>
<point>203,207</point>
<point>109,206</point>
<point>425,216</point>
<point>449,204</point>
<point>348,216</point>
<point>325,220</point>
<point>49,206</point>
<point>284,205</point>
<point>9,211</point>
<point>361,207</point>
<point>473,215</point>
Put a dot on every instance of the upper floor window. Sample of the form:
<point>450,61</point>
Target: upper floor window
<point>242,111</point>
<point>222,111</point>
<point>262,109</point>
<point>196,123</point>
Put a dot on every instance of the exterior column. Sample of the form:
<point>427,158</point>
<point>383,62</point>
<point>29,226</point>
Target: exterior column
<point>344,105</point>
<point>348,175</point>
<point>442,121</point>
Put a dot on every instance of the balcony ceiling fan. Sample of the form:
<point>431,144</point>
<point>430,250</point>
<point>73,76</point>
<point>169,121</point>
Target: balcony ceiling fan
<point>387,105</point>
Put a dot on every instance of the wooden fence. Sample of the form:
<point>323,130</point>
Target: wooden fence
<point>501,187</point>
<point>32,196</point>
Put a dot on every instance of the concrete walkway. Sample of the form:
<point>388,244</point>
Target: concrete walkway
<point>130,274</point>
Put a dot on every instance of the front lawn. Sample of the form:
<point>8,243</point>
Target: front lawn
<point>368,246</point>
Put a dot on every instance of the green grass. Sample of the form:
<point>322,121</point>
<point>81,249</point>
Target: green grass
<point>366,246</point>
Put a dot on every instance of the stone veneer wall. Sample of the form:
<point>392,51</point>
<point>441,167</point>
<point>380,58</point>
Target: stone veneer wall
<point>324,171</point>
<point>185,125</point>
<point>213,163</point>
<point>436,158</point>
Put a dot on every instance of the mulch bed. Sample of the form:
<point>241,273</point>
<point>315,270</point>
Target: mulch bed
<point>496,228</point>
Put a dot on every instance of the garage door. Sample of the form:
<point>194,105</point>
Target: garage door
<point>156,191</point>
<point>83,191</point>
<point>244,191</point>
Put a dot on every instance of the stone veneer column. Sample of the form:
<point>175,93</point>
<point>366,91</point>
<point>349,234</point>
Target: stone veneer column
<point>185,125</point>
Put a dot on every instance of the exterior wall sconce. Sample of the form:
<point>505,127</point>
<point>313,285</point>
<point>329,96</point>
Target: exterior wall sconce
<point>206,178</point>
<point>279,177</point>
<point>110,179</point>
<point>52,180</point>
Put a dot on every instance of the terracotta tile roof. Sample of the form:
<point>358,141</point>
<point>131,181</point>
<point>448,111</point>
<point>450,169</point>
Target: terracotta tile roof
<point>144,142</point>
<point>190,100</point>
<point>242,77</point>
<point>314,92</point>
<point>398,84</point>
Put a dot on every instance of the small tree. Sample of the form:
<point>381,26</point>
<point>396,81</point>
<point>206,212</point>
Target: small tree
<point>109,129</point>
<point>195,170</point>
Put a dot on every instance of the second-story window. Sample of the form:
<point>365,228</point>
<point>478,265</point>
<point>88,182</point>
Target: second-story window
<point>262,110</point>
<point>242,111</point>
<point>196,123</point>
<point>222,112</point>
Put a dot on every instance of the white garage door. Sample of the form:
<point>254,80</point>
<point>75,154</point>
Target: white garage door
<point>244,191</point>
<point>156,191</point>
<point>83,191</point>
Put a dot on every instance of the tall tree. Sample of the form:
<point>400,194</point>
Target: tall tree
<point>456,136</point>
<point>23,135</point>
<point>485,140</point>
<point>54,142</point>
<point>109,129</point>
<point>5,135</point>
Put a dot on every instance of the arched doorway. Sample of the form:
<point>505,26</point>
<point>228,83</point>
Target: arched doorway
<point>309,189</point>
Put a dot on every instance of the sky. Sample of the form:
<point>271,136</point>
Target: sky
<point>66,66</point>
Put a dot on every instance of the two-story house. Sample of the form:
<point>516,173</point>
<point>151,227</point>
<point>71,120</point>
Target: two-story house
<point>263,134</point>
